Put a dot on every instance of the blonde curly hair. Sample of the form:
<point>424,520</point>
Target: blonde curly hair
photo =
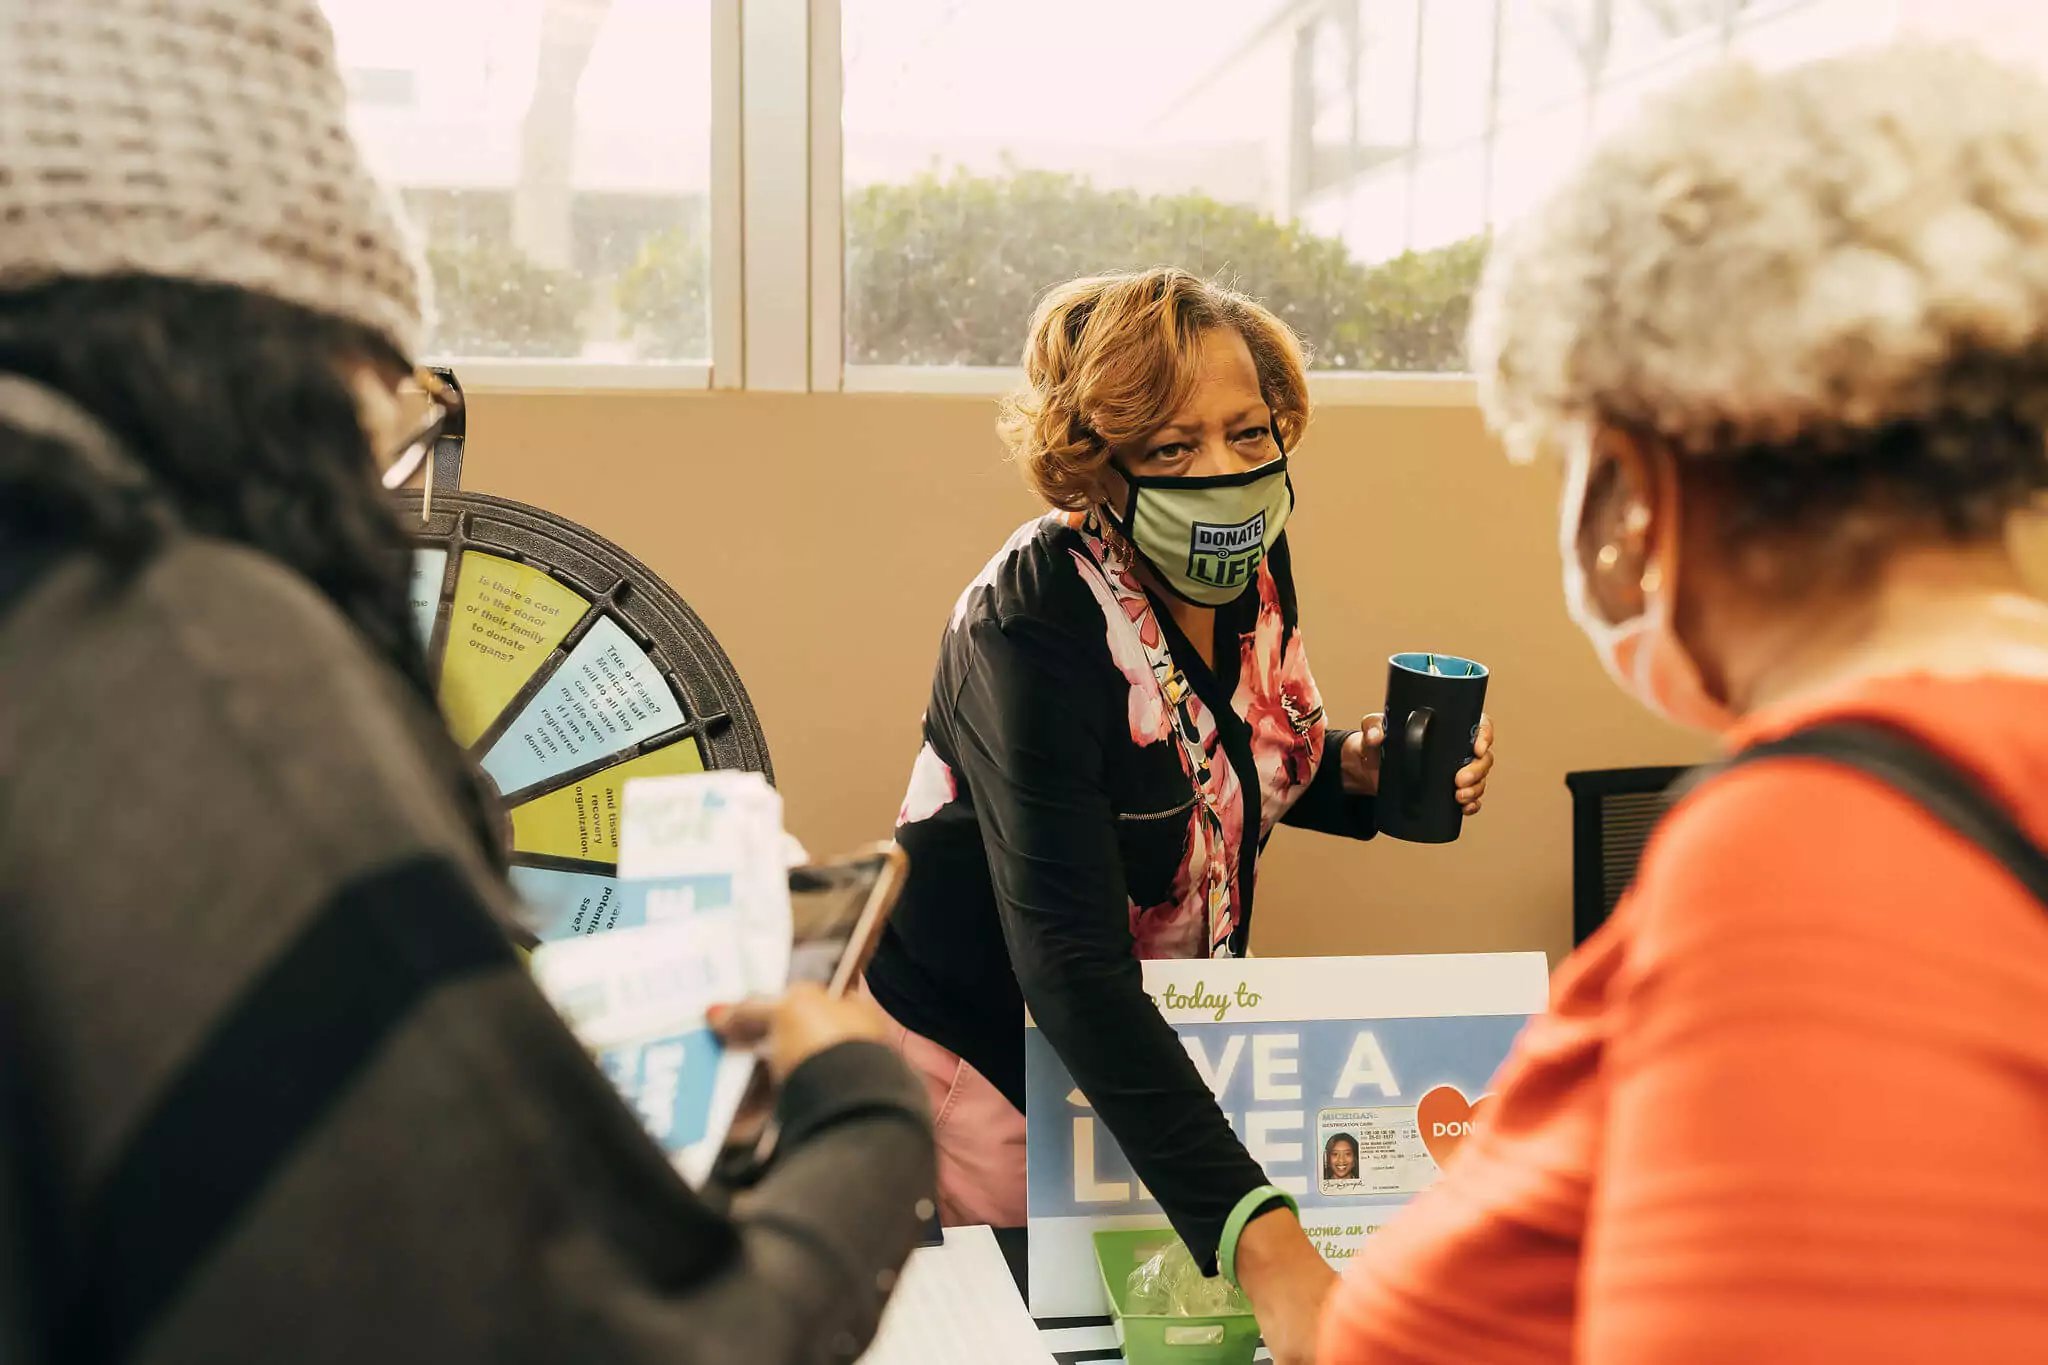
<point>1112,357</point>
<point>1837,272</point>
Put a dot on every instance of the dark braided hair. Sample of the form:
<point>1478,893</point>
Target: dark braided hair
<point>1976,453</point>
<point>236,407</point>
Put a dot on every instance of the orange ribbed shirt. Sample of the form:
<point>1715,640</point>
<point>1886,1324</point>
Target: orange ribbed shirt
<point>1789,1104</point>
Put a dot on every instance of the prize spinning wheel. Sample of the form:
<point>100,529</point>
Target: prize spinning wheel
<point>567,668</point>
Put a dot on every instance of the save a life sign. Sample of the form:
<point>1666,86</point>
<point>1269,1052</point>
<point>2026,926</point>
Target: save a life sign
<point>1350,1080</point>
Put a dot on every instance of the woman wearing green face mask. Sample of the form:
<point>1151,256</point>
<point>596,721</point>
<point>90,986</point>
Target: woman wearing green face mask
<point>1121,713</point>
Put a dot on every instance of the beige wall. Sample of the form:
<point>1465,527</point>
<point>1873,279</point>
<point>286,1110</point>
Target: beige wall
<point>824,537</point>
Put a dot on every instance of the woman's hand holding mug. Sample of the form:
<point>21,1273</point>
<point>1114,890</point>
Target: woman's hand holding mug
<point>1364,749</point>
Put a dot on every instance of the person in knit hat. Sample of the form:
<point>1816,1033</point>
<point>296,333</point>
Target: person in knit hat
<point>273,1083</point>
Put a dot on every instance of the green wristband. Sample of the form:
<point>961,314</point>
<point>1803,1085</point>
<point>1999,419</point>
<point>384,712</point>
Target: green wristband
<point>1248,1208</point>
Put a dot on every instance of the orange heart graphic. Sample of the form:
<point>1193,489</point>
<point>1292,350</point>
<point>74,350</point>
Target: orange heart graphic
<point>1447,1118</point>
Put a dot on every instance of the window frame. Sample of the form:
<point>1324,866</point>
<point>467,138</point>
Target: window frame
<point>830,372</point>
<point>1326,388</point>
<point>724,369</point>
<point>778,248</point>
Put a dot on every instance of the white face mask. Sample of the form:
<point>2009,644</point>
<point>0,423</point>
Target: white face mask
<point>1644,653</point>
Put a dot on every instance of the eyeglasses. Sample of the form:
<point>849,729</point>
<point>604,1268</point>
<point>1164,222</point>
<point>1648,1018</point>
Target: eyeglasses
<point>443,401</point>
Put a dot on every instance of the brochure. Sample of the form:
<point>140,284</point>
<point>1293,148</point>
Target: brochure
<point>702,864</point>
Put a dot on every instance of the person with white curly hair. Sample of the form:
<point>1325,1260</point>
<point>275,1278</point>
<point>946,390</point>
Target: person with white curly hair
<point>1789,333</point>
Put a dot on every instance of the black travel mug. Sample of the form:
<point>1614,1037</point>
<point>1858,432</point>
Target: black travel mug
<point>1434,702</point>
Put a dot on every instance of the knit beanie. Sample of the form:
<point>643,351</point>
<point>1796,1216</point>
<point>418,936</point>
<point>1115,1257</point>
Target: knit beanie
<point>200,140</point>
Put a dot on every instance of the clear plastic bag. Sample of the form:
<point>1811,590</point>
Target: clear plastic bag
<point>1169,1284</point>
<point>1145,1293</point>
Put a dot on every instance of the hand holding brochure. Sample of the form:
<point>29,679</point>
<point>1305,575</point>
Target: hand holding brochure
<point>703,855</point>
<point>637,998</point>
<point>706,909</point>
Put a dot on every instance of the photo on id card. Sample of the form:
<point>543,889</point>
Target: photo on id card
<point>1372,1151</point>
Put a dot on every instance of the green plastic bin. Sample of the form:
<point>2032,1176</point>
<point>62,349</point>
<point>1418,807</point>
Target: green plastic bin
<point>1152,1339</point>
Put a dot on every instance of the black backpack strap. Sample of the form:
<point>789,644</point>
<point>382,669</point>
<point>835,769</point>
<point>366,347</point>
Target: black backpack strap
<point>1910,768</point>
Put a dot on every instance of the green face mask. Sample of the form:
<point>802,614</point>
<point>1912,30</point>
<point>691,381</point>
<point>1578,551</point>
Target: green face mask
<point>1204,538</point>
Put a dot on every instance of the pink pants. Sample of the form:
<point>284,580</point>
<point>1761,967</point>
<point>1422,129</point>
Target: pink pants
<point>981,1136</point>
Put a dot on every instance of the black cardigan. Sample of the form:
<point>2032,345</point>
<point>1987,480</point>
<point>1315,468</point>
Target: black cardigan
<point>1043,835</point>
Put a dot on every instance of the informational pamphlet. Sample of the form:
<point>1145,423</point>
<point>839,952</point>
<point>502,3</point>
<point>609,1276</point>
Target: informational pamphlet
<point>686,842</point>
<point>638,998</point>
<point>703,869</point>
